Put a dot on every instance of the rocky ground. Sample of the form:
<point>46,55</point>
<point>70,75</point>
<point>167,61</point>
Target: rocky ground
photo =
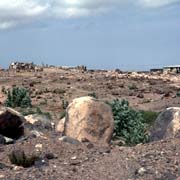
<point>51,89</point>
<point>154,161</point>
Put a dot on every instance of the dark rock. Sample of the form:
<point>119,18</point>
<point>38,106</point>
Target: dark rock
<point>140,95</point>
<point>2,140</point>
<point>50,156</point>
<point>11,123</point>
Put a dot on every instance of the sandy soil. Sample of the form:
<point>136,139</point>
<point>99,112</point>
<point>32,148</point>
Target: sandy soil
<point>153,161</point>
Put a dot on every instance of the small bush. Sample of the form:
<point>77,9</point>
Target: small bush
<point>3,90</point>
<point>47,114</point>
<point>62,114</point>
<point>149,116</point>
<point>59,91</point>
<point>27,111</point>
<point>129,124</point>
<point>132,87</point>
<point>178,94</point>
<point>65,104</point>
<point>19,158</point>
<point>93,94</point>
<point>18,97</point>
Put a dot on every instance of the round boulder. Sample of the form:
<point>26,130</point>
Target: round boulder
<point>91,119</point>
<point>167,125</point>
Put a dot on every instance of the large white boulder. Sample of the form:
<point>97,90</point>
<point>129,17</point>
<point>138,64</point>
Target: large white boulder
<point>89,119</point>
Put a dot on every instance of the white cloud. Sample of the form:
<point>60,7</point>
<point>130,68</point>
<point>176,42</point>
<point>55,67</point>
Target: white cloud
<point>13,12</point>
<point>157,3</point>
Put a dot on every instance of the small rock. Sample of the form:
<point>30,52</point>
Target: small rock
<point>69,140</point>
<point>74,158</point>
<point>50,156</point>
<point>36,133</point>
<point>90,145</point>
<point>8,140</point>
<point>140,95</point>
<point>141,171</point>
<point>118,142</point>
<point>2,176</point>
<point>17,168</point>
<point>40,163</point>
<point>38,147</point>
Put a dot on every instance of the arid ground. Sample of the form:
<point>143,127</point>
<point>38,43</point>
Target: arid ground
<point>50,91</point>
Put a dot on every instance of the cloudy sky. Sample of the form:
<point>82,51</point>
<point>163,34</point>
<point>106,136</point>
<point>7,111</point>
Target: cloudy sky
<point>125,34</point>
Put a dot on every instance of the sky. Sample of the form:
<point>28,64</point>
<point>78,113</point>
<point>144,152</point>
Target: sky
<point>101,34</point>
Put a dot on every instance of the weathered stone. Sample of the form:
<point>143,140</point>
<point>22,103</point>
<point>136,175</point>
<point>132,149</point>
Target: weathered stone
<point>60,125</point>
<point>89,118</point>
<point>167,124</point>
<point>39,120</point>
<point>8,140</point>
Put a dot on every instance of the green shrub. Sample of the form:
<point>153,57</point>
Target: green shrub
<point>129,124</point>
<point>27,111</point>
<point>3,90</point>
<point>65,104</point>
<point>178,94</point>
<point>47,114</point>
<point>93,94</point>
<point>18,97</point>
<point>132,87</point>
<point>62,114</point>
<point>149,116</point>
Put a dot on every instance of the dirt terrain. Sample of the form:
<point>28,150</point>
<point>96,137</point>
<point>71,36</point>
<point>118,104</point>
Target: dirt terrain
<point>52,88</point>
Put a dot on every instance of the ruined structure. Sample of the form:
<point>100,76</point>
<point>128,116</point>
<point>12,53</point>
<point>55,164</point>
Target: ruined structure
<point>80,68</point>
<point>172,69</point>
<point>23,66</point>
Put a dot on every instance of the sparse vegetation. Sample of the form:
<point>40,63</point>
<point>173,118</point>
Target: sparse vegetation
<point>149,116</point>
<point>178,94</point>
<point>59,91</point>
<point>62,114</point>
<point>129,124</point>
<point>18,97</point>
<point>93,94</point>
<point>36,110</point>
<point>65,104</point>
<point>47,114</point>
<point>3,90</point>
<point>44,102</point>
<point>132,87</point>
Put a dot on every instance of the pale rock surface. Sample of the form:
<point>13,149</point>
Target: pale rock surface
<point>91,119</point>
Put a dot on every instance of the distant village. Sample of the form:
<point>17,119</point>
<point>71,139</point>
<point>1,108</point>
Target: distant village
<point>31,67</point>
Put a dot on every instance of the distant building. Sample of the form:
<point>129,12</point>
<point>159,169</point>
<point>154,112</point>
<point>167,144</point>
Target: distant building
<point>22,66</point>
<point>172,69</point>
<point>156,70</point>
